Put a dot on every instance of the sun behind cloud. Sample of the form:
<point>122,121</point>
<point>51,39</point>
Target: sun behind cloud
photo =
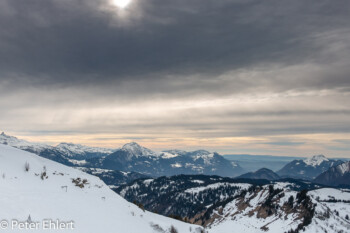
<point>121,3</point>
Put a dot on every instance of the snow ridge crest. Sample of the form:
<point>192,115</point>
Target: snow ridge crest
<point>315,160</point>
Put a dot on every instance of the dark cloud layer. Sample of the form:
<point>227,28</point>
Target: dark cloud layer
<point>80,42</point>
<point>177,69</point>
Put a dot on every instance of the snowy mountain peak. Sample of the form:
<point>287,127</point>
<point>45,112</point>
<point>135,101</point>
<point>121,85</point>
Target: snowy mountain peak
<point>136,150</point>
<point>131,145</point>
<point>315,160</point>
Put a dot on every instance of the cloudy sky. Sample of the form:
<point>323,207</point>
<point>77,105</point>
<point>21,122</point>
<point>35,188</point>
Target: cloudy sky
<point>234,76</point>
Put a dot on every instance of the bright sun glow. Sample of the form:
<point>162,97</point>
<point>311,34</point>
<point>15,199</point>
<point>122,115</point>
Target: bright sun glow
<point>121,3</point>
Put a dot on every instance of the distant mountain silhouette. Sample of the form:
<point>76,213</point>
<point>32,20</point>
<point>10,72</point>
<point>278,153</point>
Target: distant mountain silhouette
<point>262,173</point>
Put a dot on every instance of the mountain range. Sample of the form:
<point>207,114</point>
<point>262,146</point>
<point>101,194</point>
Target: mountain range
<point>262,173</point>
<point>115,165</point>
<point>80,152</point>
<point>335,176</point>
<point>65,153</point>
<point>252,163</point>
<point>311,168</point>
<point>35,188</point>
<point>308,168</point>
<point>131,158</point>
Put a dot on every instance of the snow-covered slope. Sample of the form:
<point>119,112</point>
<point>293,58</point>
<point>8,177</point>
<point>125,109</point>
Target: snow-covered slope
<point>172,153</point>
<point>49,190</point>
<point>182,195</point>
<point>225,205</point>
<point>113,178</point>
<point>276,211</point>
<point>344,168</point>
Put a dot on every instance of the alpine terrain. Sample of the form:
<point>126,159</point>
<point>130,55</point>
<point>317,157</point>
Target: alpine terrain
<point>35,190</point>
<point>335,176</point>
<point>308,168</point>
<point>65,153</point>
<point>130,158</point>
<point>133,157</point>
<point>225,205</point>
